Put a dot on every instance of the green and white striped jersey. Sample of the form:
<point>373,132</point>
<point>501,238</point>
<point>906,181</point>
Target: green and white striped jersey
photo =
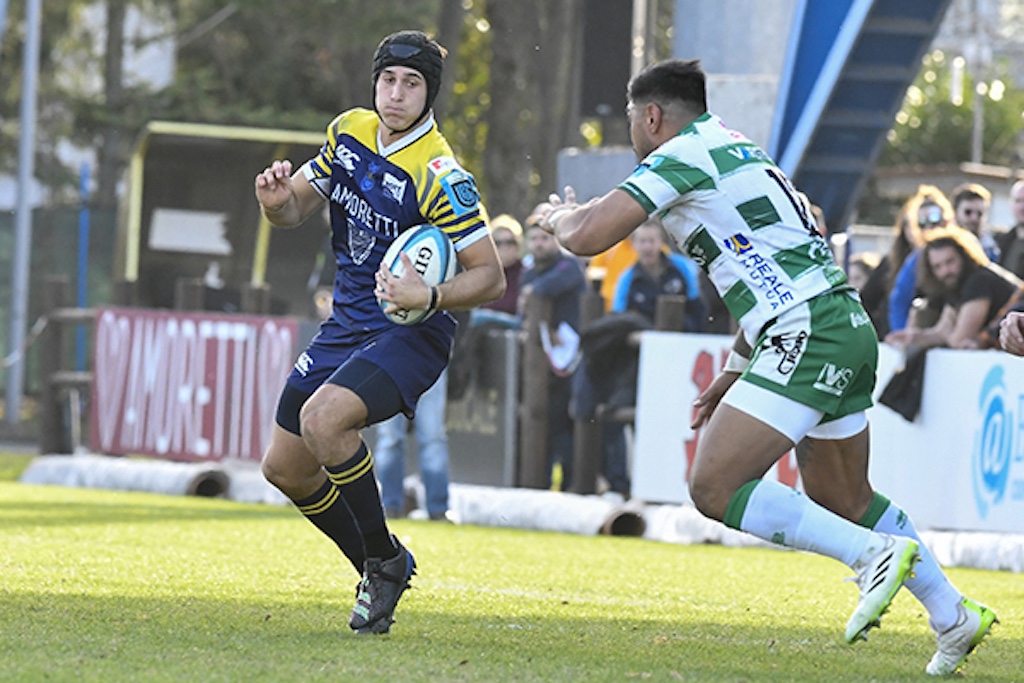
<point>729,207</point>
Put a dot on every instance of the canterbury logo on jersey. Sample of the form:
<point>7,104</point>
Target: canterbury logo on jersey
<point>304,363</point>
<point>859,320</point>
<point>347,159</point>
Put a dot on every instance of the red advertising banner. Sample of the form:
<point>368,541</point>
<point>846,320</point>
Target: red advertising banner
<point>187,386</point>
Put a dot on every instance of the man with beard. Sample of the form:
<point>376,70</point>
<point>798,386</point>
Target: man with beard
<point>967,290</point>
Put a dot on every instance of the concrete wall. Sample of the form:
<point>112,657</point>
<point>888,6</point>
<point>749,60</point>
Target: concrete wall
<point>743,60</point>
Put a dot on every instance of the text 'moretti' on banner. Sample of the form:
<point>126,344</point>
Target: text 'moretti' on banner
<point>187,386</point>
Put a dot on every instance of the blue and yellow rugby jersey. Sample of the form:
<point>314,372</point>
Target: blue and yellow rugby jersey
<point>376,193</point>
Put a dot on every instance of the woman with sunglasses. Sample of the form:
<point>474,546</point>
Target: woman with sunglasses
<point>382,171</point>
<point>928,208</point>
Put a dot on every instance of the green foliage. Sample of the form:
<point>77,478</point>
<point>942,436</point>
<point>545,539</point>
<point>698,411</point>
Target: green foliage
<point>104,586</point>
<point>931,129</point>
<point>267,64</point>
<point>466,127</point>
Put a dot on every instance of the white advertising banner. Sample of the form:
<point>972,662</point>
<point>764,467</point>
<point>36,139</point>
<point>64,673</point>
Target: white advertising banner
<point>958,466</point>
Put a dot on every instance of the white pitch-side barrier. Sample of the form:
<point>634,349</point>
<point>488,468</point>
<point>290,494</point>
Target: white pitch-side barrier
<point>127,474</point>
<point>544,511</point>
<point>481,505</point>
<point>489,506</point>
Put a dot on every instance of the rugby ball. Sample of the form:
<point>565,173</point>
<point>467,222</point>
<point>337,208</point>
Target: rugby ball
<point>433,257</point>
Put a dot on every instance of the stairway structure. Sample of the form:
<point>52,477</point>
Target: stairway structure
<point>848,66</point>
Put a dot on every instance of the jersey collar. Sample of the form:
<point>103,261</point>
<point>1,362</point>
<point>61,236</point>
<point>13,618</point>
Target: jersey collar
<point>411,137</point>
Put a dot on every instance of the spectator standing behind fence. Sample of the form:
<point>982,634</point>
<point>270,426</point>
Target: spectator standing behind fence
<point>862,266</point>
<point>971,203</point>
<point>508,236</point>
<point>962,288</point>
<point>875,292</point>
<point>432,449</point>
<point>1011,242</point>
<point>655,273</point>
<point>927,209</point>
<point>558,277</point>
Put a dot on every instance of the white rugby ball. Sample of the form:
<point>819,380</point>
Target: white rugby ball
<point>433,257</point>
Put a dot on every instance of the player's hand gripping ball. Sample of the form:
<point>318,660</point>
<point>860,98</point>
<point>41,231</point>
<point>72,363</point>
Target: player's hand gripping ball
<point>432,255</point>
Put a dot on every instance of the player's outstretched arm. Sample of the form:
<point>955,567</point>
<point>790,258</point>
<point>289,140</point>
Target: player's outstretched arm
<point>588,229</point>
<point>286,199</point>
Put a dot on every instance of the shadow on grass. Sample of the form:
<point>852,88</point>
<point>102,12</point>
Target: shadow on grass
<point>91,638</point>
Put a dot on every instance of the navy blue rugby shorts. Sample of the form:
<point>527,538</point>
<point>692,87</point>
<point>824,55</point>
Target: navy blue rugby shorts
<point>413,357</point>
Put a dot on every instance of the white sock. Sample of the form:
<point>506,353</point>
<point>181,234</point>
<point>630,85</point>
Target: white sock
<point>775,512</point>
<point>929,583</point>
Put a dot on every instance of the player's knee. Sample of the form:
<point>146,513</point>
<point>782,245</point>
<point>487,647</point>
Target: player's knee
<point>272,473</point>
<point>317,423</point>
<point>707,497</point>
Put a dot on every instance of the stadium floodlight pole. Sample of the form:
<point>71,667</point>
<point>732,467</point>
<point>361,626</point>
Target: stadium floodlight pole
<point>23,217</point>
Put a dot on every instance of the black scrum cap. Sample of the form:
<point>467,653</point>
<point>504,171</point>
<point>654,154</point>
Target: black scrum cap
<point>415,50</point>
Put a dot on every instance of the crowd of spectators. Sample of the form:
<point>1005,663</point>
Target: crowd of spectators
<point>948,276</point>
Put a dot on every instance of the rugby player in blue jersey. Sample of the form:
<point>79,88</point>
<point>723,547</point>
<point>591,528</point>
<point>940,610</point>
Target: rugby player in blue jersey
<point>382,171</point>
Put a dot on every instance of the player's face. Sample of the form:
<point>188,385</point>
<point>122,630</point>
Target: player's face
<point>400,95</point>
<point>642,143</point>
<point>946,265</point>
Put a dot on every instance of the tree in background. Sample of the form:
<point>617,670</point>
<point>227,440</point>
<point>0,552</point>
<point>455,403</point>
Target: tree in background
<point>935,123</point>
<point>262,63</point>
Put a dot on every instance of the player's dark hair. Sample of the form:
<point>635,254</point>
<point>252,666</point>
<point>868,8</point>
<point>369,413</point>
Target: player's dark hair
<point>673,80</point>
<point>415,50</point>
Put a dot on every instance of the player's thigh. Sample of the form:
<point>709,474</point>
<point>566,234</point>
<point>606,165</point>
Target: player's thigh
<point>735,447</point>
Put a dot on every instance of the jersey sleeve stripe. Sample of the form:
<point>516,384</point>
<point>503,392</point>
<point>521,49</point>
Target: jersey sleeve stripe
<point>636,193</point>
<point>682,177</point>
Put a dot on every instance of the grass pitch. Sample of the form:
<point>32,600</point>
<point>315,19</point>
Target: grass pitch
<point>105,586</point>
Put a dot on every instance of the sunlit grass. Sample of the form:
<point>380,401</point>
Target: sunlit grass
<point>104,586</point>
